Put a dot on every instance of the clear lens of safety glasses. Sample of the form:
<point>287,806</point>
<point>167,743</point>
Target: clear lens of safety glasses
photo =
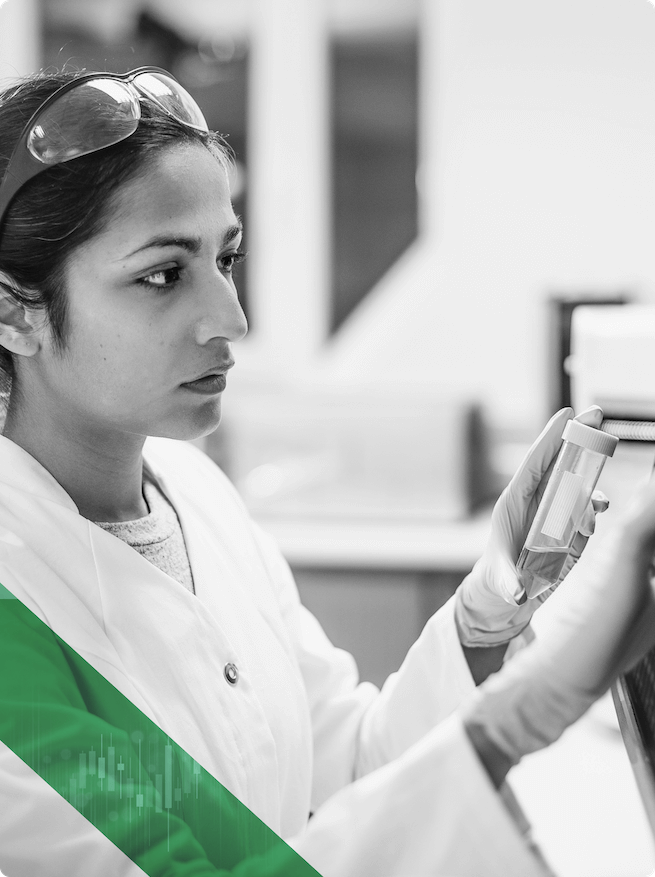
<point>90,114</point>
<point>171,97</point>
<point>89,117</point>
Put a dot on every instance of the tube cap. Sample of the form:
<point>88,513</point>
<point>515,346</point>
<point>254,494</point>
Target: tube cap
<point>590,438</point>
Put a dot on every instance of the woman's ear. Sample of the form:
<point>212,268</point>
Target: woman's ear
<point>21,327</point>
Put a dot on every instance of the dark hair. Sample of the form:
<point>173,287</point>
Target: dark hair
<point>66,205</point>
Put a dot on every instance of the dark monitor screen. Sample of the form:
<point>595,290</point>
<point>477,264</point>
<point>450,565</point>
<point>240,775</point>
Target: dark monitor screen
<point>634,699</point>
<point>634,693</point>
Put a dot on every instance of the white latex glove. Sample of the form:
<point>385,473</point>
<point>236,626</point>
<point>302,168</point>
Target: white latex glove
<point>603,626</point>
<point>491,605</point>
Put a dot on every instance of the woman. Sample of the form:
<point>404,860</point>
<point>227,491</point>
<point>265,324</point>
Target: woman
<point>154,649</point>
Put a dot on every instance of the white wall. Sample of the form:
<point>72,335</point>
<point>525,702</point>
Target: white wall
<point>539,149</point>
<point>198,17</point>
<point>20,47</point>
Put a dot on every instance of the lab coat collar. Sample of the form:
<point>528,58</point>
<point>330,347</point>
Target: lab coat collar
<point>22,471</point>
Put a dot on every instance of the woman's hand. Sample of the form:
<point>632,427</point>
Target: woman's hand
<point>602,627</point>
<point>491,606</point>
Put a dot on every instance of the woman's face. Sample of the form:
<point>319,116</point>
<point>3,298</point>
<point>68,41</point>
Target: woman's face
<point>151,306</point>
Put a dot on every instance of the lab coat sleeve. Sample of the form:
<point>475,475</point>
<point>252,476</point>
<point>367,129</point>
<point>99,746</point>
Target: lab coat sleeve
<point>356,727</point>
<point>398,790</point>
<point>430,812</point>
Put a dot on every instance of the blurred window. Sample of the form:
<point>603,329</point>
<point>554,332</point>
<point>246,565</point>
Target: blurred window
<point>374,120</point>
<point>214,71</point>
<point>374,108</point>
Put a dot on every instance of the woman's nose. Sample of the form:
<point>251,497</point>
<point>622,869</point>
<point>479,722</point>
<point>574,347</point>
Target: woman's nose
<point>223,316</point>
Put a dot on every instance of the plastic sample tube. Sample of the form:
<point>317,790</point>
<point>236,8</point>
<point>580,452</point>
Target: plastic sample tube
<point>567,495</point>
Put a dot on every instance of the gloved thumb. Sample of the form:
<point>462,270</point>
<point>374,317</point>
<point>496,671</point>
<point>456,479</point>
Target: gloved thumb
<point>540,456</point>
<point>505,580</point>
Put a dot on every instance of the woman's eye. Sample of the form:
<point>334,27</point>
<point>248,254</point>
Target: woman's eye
<point>230,260</point>
<point>162,279</point>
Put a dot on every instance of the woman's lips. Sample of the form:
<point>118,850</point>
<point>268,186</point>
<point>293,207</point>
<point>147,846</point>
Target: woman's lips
<point>210,385</point>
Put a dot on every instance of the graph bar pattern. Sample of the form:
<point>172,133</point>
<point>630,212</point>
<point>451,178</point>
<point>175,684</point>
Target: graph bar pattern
<point>114,765</point>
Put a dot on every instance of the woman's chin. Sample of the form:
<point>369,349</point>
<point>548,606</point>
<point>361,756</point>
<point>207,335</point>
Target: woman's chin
<point>192,426</point>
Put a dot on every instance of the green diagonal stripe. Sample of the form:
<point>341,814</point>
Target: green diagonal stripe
<point>117,768</point>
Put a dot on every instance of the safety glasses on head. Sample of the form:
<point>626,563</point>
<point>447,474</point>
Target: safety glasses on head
<point>88,114</point>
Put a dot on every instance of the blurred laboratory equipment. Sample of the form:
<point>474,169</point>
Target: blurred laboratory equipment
<point>561,307</point>
<point>369,454</point>
<point>613,363</point>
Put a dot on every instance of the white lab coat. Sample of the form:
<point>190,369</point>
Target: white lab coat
<point>292,736</point>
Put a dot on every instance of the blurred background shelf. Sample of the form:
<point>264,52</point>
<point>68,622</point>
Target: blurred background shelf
<point>422,547</point>
<point>374,584</point>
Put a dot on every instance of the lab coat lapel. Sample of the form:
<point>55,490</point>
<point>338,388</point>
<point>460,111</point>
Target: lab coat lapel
<point>60,587</point>
<point>234,584</point>
<point>173,647</point>
<point>152,639</point>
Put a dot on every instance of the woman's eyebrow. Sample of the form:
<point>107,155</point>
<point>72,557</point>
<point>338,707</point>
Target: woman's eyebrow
<point>191,244</point>
<point>233,232</point>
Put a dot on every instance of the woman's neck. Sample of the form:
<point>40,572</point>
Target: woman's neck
<point>102,472</point>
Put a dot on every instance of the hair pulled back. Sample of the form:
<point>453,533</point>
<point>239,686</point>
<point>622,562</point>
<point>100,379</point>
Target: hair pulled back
<point>67,204</point>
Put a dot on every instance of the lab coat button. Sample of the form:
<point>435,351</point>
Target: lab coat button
<point>231,673</point>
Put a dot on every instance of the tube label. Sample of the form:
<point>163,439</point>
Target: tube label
<point>564,502</point>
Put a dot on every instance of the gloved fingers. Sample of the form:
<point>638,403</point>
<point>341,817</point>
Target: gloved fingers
<point>542,453</point>
<point>515,509</point>
<point>506,582</point>
<point>541,456</point>
<point>592,416</point>
<point>599,502</point>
